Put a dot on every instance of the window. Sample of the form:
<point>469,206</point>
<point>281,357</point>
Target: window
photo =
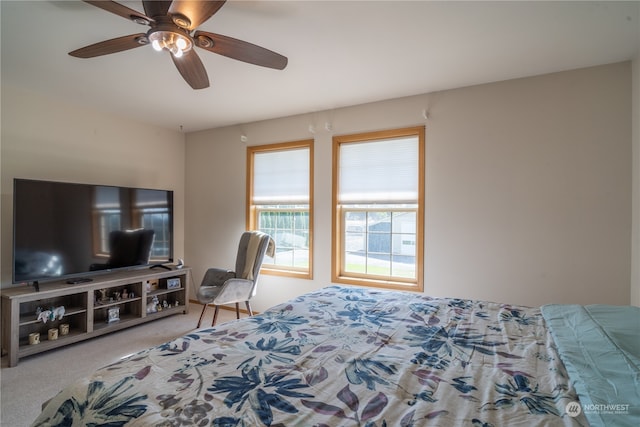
<point>378,209</point>
<point>280,203</point>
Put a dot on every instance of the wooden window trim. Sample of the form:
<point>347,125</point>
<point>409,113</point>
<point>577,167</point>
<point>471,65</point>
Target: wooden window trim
<point>251,212</point>
<point>337,246</point>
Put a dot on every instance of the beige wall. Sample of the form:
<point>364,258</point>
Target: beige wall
<point>45,139</point>
<point>528,181</point>
<point>528,186</point>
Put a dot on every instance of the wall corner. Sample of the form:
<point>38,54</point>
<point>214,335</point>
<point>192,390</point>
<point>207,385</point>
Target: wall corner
<point>635,186</point>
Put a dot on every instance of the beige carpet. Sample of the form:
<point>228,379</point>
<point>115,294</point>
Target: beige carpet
<point>38,378</point>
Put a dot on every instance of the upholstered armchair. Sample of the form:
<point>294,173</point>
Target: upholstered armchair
<point>221,287</point>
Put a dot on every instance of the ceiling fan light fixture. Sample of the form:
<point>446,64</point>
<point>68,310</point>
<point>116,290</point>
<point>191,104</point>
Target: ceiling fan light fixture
<point>174,42</point>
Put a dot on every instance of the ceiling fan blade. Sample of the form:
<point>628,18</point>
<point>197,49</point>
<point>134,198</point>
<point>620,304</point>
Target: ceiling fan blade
<point>240,50</point>
<point>111,46</point>
<point>120,10</point>
<point>156,8</point>
<point>192,69</point>
<point>196,11</point>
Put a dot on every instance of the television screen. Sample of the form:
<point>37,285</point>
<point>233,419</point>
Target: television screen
<point>65,230</point>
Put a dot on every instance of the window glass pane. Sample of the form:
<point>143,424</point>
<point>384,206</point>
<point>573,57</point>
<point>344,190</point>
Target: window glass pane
<point>380,242</point>
<point>355,220</point>
<point>355,262</point>
<point>404,233</point>
<point>403,266</point>
<point>356,243</point>
<point>289,227</point>
<point>379,229</point>
<point>355,240</point>
<point>379,265</point>
<point>302,221</point>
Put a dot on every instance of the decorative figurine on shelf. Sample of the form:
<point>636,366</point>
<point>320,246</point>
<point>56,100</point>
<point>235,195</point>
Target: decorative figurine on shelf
<point>117,296</point>
<point>125,294</point>
<point>165,304</point>
<point>44,316</point>
<point>103,295</point>
<point>153,306</point>
<point>51,314</point>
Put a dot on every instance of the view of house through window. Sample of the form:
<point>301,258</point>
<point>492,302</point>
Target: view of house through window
<point>380,242</point>
<point>280,203</point>
<point>378,187</point>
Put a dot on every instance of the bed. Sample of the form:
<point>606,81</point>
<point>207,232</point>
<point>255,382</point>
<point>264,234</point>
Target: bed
<point>349,356</point>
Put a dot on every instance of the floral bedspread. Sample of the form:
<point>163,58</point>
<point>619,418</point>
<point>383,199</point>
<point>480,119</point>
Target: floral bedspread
<point>339,356</point>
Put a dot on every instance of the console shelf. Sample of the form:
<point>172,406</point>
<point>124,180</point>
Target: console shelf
<point>109,303</point>
<point>31,318</point>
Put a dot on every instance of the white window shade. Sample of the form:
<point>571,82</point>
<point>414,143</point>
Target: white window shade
<point>281,177</point>
<point>379,171</point>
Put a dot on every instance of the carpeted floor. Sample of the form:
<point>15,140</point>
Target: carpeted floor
<point>38,378</point>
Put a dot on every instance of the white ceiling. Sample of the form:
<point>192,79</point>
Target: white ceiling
<point>341,53</point>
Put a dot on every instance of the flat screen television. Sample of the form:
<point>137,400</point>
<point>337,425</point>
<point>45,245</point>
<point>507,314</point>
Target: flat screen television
<point>74,231</point>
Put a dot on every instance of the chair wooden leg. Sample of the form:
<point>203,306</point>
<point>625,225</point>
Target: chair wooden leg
<point>249,308</point>
<point>215,316</point>
<point>237,311</point>
<point>204,307</point>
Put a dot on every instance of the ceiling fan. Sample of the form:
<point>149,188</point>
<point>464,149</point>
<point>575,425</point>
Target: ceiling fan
<point>173,28</point>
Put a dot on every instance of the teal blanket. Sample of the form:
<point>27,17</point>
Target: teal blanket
<point>600,347</point>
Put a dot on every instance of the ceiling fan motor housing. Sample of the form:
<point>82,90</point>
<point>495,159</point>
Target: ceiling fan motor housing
<point>165,34</point>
